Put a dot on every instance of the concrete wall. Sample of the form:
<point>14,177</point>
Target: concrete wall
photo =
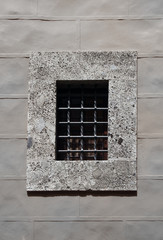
<point>39,25</point>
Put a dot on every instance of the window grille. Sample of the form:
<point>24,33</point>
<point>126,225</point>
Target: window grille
<point>82,121</point>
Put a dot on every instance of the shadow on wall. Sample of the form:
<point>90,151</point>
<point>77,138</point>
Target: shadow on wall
<point>82,194</point>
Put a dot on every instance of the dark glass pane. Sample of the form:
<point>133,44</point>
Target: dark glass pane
<point>102,101</point>
<point>62,101</point>
<point>62,130</point>
<point>75,102</point>
<point>88,91</point>
<point>62,156</point>
<point>89,101</point>
<point>88,116</point>
<point>62,143</point>
<point>75,115</point>
<point>102,115</point>
<point>101,144</point>
<point>75,130</point>
<point>76,91</point>
<point>88,156</point>
<point>88,144</point>
<point>101,129</point>
<point>88,130</point>
<point>102,155</point>
<point>75,144</point>
<point>62,115</point>
<point>74,156</point>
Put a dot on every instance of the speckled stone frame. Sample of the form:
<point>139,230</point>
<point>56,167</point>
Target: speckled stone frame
<point>118,173</point>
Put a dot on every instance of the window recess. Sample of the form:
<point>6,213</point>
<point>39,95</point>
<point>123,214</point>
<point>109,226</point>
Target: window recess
<point>82,121</point>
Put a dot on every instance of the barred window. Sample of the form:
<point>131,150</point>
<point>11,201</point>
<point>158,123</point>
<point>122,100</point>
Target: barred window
<point>82,121</point>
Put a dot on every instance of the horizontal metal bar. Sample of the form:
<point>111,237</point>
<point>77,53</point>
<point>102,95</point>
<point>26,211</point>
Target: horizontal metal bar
<point>82,151</point>
<point>83,122</point>
<point>83,136</point>
<point>83,108</point>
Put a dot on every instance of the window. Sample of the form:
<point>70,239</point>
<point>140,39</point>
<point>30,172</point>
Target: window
<point>82,121</point>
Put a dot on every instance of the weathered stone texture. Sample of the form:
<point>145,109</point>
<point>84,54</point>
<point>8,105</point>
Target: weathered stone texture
<point>83,175</point>
<point>44,172</point>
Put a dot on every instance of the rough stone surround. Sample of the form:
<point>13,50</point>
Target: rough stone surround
<point>44,173</point>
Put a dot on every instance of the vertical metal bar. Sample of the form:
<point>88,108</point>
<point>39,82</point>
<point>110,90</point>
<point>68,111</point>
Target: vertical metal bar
<point>81,127</point>
<point>68,125</point>
<point>95,117</point>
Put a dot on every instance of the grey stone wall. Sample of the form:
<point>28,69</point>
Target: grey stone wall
<point>53,25</point>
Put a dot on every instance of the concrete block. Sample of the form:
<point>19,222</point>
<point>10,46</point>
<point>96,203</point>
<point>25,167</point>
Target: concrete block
<point>144,230</point>
<point>79,230</point>
<point>150,116</point>
<point>18,7</point>
<point>14,201</point>
<point>150,75</point>
<point>13,157</point>
<point>32,35</point>
<point>13,117</point>
<point>148,202</point>
<point>16,230</point>
<point>150,152</point>
<point>82,7</point>
<point>146,7</point>
<point>14,74</point>
<point>140,35</point>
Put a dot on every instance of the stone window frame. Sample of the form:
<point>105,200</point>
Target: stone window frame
<point>118,173</point>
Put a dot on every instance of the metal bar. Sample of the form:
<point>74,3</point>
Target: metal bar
<point>68,125</point>
<point>82,136</point>
<point>81,142</point>
<point>83,150</point>
<point>84,108</point>
<point>95,116</point>
<point>82,122</point>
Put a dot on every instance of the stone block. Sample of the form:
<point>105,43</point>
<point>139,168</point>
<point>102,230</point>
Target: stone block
<point>13,157</point>
<point>146,7</point>
<point>34,35</point>
<point>15,202</point>
<point>140,35</point>
<point>150,152</point>
<point>146,230</point>
<point>14,74</point>
<point>82,7</point>
<point>16,230</point>
<point>79,230</point>
<point>148,202</point>
<point>13,117</point>
<point>150,76</point>
<point>150,116</point>
<point>18,7</point>
<point>44,172</point>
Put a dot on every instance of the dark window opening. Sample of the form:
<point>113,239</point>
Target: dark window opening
<point>82,120</point>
